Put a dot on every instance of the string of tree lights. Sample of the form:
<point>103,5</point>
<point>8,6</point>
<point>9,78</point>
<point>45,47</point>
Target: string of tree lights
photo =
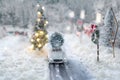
<point>40,36</point>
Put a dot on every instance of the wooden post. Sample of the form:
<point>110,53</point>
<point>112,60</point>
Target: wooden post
<point>98,51</point>
<point>113,49</point>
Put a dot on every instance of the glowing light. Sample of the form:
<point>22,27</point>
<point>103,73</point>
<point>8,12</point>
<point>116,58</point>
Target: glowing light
<point>39,14</point>
<point>41,32</point>
<point>82,14</point>
<point>39,45</point>
<point>36,34</point>
<point>32,40</point>
<point>32,47</point>
<point>38,20</point>
<point>68,28</point>
<point>43,8</point>
<point>38,39</point>
<point>72,14</point>
<point>38,5</point>
<point>46,36</point>
<point>46,22</point>
<point>98,17</point>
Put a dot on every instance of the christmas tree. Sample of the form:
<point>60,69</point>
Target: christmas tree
<point>39,38</point>
<point>41,21</point>
<point>107,31</point>
<point>56,41</point>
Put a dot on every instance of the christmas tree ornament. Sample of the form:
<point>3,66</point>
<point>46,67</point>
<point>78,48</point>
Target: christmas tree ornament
<point>39,14</point>
<point>38,20</point>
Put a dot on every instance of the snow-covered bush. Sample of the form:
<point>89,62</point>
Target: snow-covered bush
<point>2,32</point>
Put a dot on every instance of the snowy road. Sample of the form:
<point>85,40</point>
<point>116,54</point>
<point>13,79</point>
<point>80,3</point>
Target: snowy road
<point>59,72</point>
<point>64,72</point>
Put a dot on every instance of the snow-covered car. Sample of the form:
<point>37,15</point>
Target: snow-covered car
<point>21,33</point>
<point>57,56</point>
<point>17,33</point>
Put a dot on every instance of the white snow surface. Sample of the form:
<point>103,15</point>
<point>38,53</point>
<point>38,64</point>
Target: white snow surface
<point>83,50</point>
<point>18,62</point>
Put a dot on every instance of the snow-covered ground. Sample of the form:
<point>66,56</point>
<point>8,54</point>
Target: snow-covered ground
<point>2,32</point>
<point>18,62</point>
<point>84,51</point>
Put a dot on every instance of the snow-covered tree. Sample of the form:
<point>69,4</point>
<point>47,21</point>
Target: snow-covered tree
<point>108,30</point>
<point>17,12</point>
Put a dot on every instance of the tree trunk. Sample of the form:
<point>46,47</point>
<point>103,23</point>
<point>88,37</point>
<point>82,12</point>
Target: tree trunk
<point>113,43</point>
